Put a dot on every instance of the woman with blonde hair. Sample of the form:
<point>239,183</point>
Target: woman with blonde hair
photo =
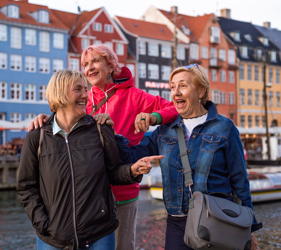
<point>66,169</point>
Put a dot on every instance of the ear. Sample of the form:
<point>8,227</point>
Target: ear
<point>202,92</point>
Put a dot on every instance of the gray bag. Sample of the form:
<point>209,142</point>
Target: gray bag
<point>214,222</point>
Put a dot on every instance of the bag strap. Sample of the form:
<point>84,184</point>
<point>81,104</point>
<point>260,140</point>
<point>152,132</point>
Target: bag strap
<point>40,142</point>
<point>101,137</point>
<point>103,101</point>
<point>184,158</point>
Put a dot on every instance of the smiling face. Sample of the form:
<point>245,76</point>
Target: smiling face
<point>186,95</point>
<point>97,70</point>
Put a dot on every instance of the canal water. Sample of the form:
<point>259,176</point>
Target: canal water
<point>16,230</point>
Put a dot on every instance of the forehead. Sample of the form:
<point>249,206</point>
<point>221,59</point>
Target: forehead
<point>182,76</point>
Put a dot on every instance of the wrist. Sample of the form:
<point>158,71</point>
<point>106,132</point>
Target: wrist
<point>158,118</point>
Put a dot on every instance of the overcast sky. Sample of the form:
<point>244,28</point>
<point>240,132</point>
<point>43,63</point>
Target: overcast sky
<point>255,11</point>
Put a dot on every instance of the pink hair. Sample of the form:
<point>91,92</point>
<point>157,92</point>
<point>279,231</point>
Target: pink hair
<point>105,52</point>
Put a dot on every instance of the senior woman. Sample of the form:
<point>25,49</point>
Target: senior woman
<point>213,145</point>
<point>64,186</point>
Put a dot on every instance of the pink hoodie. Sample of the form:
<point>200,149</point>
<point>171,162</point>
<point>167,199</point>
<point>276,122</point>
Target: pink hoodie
<point>123,106</point>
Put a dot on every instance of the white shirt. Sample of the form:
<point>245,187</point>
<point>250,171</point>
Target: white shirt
<point>191,123</point>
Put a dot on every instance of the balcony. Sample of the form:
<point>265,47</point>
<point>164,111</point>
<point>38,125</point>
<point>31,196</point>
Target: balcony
<point>214,39</point>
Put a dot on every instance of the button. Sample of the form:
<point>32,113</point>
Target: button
<point>193,136</point>
<point>102,211</point>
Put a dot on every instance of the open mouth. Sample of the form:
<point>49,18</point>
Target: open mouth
<point>179,103</point>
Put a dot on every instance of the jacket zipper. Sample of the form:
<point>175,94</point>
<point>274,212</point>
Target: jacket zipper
<point>73,192</point>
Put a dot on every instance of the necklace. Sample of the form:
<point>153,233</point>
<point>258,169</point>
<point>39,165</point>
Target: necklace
<point>195,116</point>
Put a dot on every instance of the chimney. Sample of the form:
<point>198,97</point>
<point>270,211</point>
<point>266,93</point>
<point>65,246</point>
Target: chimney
<point>266,24</point>
<point>174,9</point>
<point>226,13</point>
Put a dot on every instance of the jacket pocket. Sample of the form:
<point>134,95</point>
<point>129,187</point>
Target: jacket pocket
<point>211,143</point>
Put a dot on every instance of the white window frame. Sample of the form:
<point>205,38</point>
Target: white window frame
<point>204,52</point>
<point>120,49</point>
<point>29,92</point>
<point>231,98</point>
<point>43,16</point>
<point>180,52</point>
<point>231,76</point>
<point>16,38</point>
<point>3,90</point>
<point>215,34</point>
<point>213,53</point>
<point>15,117</point>
<point>231,56</point>
<point>165,72</point>
<point>3,60</point>
<point>273,56</point>
<point>194,51</point>
<point>3,32</point>
<point>97,26</point>
<point>30,64</point>
<point>30,37</point>
<point>142,47</point>
<point>166,51</point>
<point>44,65</point>
<point>244,51</point>
<point>58,40</point>
<point>97,42</point>
<point>109,45</point>
<point>13,11</point>
<point>222,75</point>
<point>153,71</point>
<point>74,64</point>
<point>142,70</point>
<point>85,42</point>
<point>15,91</point>
<point>153,49</point>
<point>108,28</point>
<point>214,76</point>
<point>222,54</point>
<point>44,41</point>
<point>16,62</point>
<point>42,93</point>
<point>29,116</point>
<point>57,65</point>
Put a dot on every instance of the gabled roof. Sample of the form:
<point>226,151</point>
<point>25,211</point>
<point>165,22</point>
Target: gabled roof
<point>145,29</point>
<point>25,17</point>
<point>273,34</point>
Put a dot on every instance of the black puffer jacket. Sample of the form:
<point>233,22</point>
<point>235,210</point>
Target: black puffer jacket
<point>66,192</point>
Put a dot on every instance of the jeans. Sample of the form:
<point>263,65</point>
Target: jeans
<point>105,243</point>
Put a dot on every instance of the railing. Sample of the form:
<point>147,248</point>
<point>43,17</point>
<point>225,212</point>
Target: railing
<point>8,171</point>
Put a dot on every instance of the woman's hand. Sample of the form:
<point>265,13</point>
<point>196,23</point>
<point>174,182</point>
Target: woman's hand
<point>143,165</point>
<point>254,242</point>
<point>104,119</point>
<point>37,122</point>
<point>143,121</point>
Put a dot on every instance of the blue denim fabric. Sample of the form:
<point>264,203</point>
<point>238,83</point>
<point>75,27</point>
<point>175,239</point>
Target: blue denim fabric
<point>214,150</point>
<point>105,243</point>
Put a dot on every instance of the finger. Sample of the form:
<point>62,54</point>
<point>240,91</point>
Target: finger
<point>137,124</point>
<point>110,122</point>
<point>154,157</point>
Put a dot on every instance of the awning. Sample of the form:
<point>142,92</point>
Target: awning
<point>7,125</point>
<point>257,130</point>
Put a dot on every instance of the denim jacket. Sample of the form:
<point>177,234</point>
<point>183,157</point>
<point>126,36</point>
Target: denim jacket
<point>215,152</point>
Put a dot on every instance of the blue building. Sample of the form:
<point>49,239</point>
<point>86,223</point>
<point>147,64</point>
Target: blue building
<point>33,45</point>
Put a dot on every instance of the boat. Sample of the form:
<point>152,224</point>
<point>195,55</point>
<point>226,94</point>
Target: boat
<point>265,184</point>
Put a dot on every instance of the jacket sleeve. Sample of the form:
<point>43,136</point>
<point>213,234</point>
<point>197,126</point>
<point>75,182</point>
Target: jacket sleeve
<point>151,103</point>
<point>28,183</point>
<point>119,173</point>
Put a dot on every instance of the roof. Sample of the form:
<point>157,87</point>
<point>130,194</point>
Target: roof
<point>273,34</point>
<point>145,29</point>
<point>25,11</point>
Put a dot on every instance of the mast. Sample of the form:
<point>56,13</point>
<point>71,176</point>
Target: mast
<point>174,10</point>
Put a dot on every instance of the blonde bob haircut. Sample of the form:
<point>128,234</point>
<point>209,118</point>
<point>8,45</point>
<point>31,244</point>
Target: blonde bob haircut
<point>59,85</point>
<point>200,78</point>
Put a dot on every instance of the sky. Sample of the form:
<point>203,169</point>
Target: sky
<point>255,11</point>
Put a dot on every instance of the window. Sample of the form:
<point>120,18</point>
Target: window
<point>58,40</point>
<point>257,121</point>
<point>15,117</point>
<point>13,11</point>
<point>30,92</point>
<point>97,42</point>
<point>270,98</point>
<point>215,35</point>
<point>222,54</point>
<point>142,70</point>
<point>42,93</point>
<point>235,36</point>
<point>231,76</point>
<point>44,41</point>
<point>244,51</point>
<point>153,49</point>
<point>97,26</point>
<point>30,64</point>
<point>249,72</point>
<point>213,75</point>
<point>181,52</point>
<point>109,45</point>
<point>43,16</point>
<point>194,51</point>
<point>259,54</point>
<point>257,97</point>
<point>119,49</point>
<point>242,96</point>
<point>131,67</point>
<point>213,53</point>
<point>29,116</point>
<point>222,98</point>
<point>108,28</point>
<point>277,76</point>
<point>3,90</point>
<point>216,96</point>
<point>142,47</point>
<point>256,72</point>
<point>57,65</point>
<point>3,32</point>
<point>153,92</point>
<point>242,121</point>
<point>231,98</point>
<point>153,71</point>
<point>15,38</point>
<point>15,91</point>
<point>231,56</point>
<point>3,61</point>
<point>44,65</point>
<point>74,64</point>
<point>15,62</point>
<point>85,42</point>
<point>204,52</point>
<point>248,37</point>
<point>272,56</point>
<point>30,37</point>
<point>165,72</point>
<point>2,116</point>
<point>270,75</point>
<point>250,121</point>
<point>166,51</point>
<point>264,41</point>
<point>166,95</point>
<point>241,72</point>
<point>263,121</point>
<point>250,97</point>
<point>222,76</point>
<point>278,99</point>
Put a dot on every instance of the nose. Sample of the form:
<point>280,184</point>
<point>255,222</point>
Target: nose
<point>177,90</point>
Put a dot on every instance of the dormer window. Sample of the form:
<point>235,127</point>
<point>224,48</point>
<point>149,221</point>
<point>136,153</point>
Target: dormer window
<point>13,11</point>
<point>244,51</point>
<point>215,35</point>
<point>273,57</point>
<point>264,41</point>
<point>235,36</point>
<point>185,30</point>
<point>43,16</point>
<point>248,37</point>
<point>259,54</point>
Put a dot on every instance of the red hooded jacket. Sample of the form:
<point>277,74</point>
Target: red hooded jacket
<point>123,106</point>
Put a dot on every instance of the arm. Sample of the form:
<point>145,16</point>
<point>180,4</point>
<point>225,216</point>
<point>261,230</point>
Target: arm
<point>28,184</point>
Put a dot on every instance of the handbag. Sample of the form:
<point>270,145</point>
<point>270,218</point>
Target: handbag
<point>214,222</point>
